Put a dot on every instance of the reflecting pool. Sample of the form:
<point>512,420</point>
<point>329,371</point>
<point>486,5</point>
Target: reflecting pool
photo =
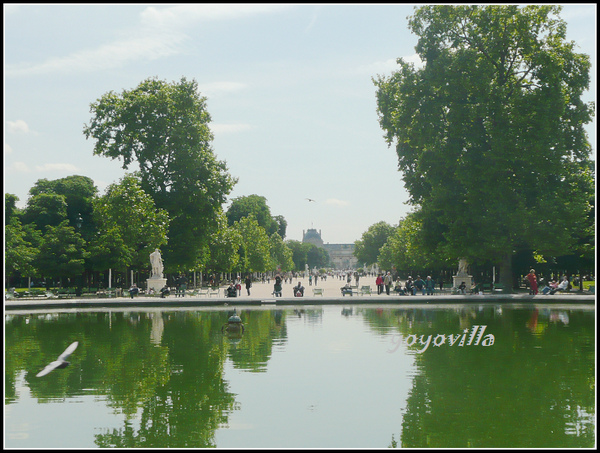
<point>309,376</point>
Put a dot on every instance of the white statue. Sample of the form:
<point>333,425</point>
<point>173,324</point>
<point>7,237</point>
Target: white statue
<point>462,267</point>
<point>157,264</point>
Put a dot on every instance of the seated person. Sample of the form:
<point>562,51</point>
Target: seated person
<point>347,289</point>
<point>462,288</point>
<point>562,286</point>
<point>398,289</point>
<point>408,286</point>
<point>552,285</point>
<point>231,291</point>
<point>298,290</point>
<point>134,290</point>
<point>164,291</point>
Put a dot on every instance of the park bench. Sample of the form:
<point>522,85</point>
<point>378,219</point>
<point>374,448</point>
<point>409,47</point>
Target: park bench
<point>203,292</point>
<point>345,290</point>
<point>110,292</point>
<point>65,293</point>
<point>487,287</point>
<point>365,290</point>
<point>318,291</point>
<point>216,291</point>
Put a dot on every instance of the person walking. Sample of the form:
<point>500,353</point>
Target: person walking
<point>379,283</point>
<point>248,283</point>
<point>387,281</point>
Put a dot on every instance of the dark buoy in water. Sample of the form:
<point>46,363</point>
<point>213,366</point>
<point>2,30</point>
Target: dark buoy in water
<point>234,324</point>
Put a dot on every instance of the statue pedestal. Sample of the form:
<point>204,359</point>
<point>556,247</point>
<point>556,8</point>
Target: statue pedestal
<point>155,283</point>
<point>459,278</point>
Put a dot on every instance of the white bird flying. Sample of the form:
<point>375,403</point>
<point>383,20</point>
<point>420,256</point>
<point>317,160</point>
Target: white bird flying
<point>60,362</point>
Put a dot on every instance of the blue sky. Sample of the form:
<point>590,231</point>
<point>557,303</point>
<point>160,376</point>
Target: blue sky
<point>289,91</point>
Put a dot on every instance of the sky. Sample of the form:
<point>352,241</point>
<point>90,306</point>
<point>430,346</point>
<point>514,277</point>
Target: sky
<point>289,89</point>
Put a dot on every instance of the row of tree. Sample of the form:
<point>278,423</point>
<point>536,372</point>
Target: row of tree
<point>70,234</point>
<point>174,201</point>
<point>489,134</point>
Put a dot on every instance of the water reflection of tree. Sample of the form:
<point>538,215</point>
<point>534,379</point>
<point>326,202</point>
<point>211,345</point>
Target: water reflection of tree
<point>176,387</point>
<point>527,390</point>
<point>186,410</point>
<point>263,327</point>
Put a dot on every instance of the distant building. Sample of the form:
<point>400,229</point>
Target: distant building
<point>312,236</point>
<point>341,255</point>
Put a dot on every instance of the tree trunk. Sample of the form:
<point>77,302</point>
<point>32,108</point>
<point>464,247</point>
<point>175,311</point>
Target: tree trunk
<point>505,273</point>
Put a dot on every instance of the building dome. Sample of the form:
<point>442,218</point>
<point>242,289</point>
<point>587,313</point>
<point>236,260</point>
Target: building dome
<point>313,236</point>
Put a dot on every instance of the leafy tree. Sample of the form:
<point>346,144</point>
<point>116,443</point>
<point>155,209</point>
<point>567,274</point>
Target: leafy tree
<point>62,252</point>
<point>489,133</point>
<point>366,250</point>
<point>405,250</point>
<point>299,251</point>
<point>20,251</point>
<point>45,209</point>
<point>256,255</point>
<point>78,191</point>
<point>281,254</point>
<point>256,206</point>
<point>164,128</point>
<point>108,250</point>
<point>127,215</point>
<point>304,253</point>
<point>281,225</point>
<point>317,257</point>
<point>10,207</point>
<point>224,246</point>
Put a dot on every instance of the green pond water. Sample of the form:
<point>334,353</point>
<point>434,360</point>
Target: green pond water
<point>351,376</point>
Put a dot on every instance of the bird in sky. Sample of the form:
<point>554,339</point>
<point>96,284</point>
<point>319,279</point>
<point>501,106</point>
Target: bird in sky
<point>310,199</point>
<point>60,362</point>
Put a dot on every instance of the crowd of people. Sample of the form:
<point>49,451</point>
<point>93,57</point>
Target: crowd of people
<point>409,287</point>
<point>384,282</point>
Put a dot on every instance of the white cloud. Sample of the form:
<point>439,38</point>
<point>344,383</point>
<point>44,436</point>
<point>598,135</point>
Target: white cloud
<point>7,149</point>
<point>336,202</point>
<point>22,167</point>
<point>115,54</point>
<point>17,127</point>
<point>175,17</point>
<point>19,167</point>
<point>161,34</point>
<point>229,128</point>
<point>56,167</point>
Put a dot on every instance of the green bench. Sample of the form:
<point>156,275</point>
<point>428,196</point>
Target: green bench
<point>365,290</point>
<point>318,291</point>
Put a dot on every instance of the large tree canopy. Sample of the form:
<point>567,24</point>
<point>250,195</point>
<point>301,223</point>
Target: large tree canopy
<point>256,206</point>
<point>127,216</point>
<point>163,127</point>
<point>366,249</point>
<point>489,132</point>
